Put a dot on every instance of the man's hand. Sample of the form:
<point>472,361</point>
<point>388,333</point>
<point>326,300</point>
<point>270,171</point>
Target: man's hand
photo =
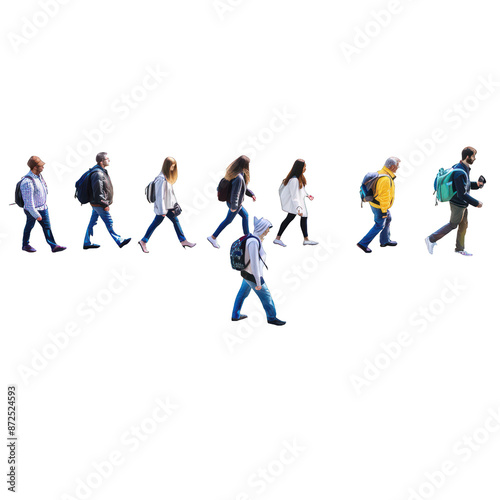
<point>258,288</point>
<point>106,209</point>
<point>39,219</point>
<point>480,184</point>
<point>163,215</point>
<point>480,204</point>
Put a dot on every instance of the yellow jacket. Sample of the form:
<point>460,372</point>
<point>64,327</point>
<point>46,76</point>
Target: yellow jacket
<point>385,190</point>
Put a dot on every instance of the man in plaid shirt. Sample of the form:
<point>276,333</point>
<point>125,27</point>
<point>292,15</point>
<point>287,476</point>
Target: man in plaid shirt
<point>34,193</point>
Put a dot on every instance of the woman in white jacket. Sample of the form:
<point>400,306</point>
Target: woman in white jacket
<point>252,275</point>
<point>293,194</point>
<point>165,203</point>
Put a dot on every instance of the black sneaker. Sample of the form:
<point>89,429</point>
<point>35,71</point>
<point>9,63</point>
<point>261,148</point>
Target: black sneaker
<point>243,316</point>
<point>389,244</point>
<point>87,247</point>
<point>276,322</point>
<point>365,249</point>
<point>124,242</point>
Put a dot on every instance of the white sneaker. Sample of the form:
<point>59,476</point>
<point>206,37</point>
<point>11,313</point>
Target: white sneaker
<point>279,242</point>
<point>310,242</point>
<point>463,252</point>
<point>213,241</point>
<point>430,245</point>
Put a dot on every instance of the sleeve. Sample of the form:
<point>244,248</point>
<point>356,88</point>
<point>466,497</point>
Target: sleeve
<point>462,195</point>
<point>99,195</point>
<point>160,187</point>
<point>474,185</point>
<point>27,192</point>
<point>293,186</point>
<point>384,194</point>
<point>253,253</point>
<point>236,187</point>
<point>249,192</point>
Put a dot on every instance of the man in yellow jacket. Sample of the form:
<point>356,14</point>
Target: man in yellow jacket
<point>382,201</point>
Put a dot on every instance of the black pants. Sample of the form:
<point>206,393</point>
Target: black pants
<point>289,218</point>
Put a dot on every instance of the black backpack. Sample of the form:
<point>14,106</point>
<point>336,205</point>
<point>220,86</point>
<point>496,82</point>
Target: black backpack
<point>151,192</point>
<point>224,190</point>
<point>18,196</point>
<point>237,253</point>
<point>83,187</point>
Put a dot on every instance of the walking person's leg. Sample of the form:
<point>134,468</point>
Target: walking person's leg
<point>462,229</point>
<point>229,218</point>
<point>289,218</point>
<point>108,221</point>
<point>385,235</point>
<point>156,222</point>
<point>47,230</point>
<point>244,216</point>
<point>177,225</point>
<point>90,229</point>
<point>377,227</point>
<point>267,301</point>
<point>240,298</point>
<point>30,224</point>
<point>303,227</point>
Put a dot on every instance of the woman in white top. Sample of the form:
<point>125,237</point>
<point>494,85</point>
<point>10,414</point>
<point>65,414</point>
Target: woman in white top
<point>293,194</point>
<point>252,275</point>
<point>165,203</point>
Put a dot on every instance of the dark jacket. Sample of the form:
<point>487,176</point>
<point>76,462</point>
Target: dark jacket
<point>102,188</point>
<point>462,185</point>
<point>238,192</point>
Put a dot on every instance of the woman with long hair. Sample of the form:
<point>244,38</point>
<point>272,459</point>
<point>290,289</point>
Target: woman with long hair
<point>166,203</point>
<point>293,194</point>
<point>238,175</point>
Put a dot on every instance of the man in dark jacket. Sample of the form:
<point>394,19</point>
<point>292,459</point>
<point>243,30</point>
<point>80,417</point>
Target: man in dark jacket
<point>100,200</point>
<point>459,203</point>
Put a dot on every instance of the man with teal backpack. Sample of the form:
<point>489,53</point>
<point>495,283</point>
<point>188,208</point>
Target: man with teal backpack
<point>454,185</point>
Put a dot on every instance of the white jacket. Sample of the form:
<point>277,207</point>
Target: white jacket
<point>292,197</point>
<point>165,196</point>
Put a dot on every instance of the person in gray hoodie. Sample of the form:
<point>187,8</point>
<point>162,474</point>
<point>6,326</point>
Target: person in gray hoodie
<point>238,174</point>
<point>252,275</point>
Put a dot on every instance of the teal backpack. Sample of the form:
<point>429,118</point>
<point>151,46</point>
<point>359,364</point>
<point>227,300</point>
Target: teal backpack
<point>443,185</point>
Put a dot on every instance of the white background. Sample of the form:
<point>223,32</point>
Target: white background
<point>242,389</point>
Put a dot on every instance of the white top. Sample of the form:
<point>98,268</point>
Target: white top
<point>165,196</point>
<point>255,265</point>
<point>292,197</point>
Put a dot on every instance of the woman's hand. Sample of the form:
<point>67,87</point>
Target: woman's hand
<point>258,288</point>
<point>163,215</point>
<point>311,197</point>
<point>254,198</point>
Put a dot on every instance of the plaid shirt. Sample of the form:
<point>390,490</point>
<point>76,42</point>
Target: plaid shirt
<point>34,194</point>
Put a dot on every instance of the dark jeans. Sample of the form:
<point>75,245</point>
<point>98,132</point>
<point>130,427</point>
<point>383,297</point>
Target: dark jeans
<point>382,226</point>
<point>289,218</point>
<point>158,220</point>
<point>230,217</point>
<point>45,223</point>
<point>459,218</point>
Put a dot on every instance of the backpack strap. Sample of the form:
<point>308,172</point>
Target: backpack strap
<point>260,245</point>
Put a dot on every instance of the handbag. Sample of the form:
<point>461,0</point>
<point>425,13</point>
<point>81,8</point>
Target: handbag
<point>177,209</point>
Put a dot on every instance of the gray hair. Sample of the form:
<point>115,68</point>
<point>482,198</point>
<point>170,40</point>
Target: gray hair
<point>100,157</point>
<point>391,162</point>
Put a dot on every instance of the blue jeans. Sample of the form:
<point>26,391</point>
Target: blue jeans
<point>45,223</point>
<point>158,220</point>
<point>230,217</point>
<point>381,224</point>
<point>108,221</point>
<point>264,295</point>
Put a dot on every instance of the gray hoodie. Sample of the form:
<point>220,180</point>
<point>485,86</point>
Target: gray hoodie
<point>256,264</point>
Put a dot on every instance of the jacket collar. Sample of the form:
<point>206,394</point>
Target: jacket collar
<point>388,172</point>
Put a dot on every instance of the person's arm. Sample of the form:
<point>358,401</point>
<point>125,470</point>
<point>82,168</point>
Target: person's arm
<point>462,195</point>
<point>250,193</point>
<point>27,192</point>
<point>99,194</point>
<point>236,187</point>
<point>253,254</point>
<point>161,193</point>
<point>293,186</point>
<point>384,194</point>
<point>475,185</point>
